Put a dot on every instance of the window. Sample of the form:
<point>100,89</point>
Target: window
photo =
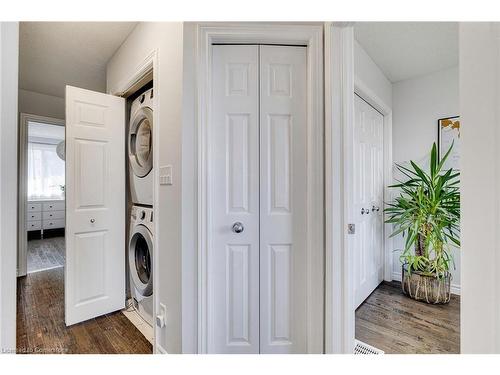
<point>46,177</point>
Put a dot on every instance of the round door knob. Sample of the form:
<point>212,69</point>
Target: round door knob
<point>238,227</point>
<point>375,208</point>
<point>92,221</point>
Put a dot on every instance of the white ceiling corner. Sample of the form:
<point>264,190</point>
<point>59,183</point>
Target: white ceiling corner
<point>404,50</point>
<point>55,54</point>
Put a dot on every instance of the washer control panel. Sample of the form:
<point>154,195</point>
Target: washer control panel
<point>142,215</point>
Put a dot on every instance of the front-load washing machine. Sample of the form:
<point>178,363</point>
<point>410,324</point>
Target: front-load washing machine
<point>140,149</point>
<point>140,260</point>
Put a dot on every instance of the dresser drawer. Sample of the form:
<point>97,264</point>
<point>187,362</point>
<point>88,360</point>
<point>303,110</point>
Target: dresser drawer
<point>34,225</point>
<point>33,216</point>
<point>34,207</point>
<point>51,224</point>
<point>51,215</point>
<point>53,206</point>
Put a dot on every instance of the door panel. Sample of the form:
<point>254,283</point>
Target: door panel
<point>283,199</point>
<point>233,293</point>
<point>368,198</point>
<point>95,204</point>
<point>257,282</point>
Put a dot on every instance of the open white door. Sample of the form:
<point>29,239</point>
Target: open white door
<point>95,204</point>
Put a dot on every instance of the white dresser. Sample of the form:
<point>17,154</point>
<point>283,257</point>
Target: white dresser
<point>45,214</point>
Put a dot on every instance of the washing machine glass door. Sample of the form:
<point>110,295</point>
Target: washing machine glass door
<point>141,260</point>
<point>140,142</point>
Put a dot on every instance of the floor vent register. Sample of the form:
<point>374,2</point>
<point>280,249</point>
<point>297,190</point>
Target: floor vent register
<point>363,348</point>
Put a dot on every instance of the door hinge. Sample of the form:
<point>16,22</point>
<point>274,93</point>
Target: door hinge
<point>351,228</point>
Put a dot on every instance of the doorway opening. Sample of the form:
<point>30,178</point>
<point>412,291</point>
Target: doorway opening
<point>42,178</point>
<point>404,85</point>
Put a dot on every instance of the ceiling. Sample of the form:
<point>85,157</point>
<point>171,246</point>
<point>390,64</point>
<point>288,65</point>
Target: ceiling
<point>55,54</point>
<point>404,50</point>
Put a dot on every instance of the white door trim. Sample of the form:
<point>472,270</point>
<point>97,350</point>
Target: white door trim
<point>271,33</point>
<point>24,118</point>
<point>340,86</point>
<point>339,110</point>
<point>146,69</point>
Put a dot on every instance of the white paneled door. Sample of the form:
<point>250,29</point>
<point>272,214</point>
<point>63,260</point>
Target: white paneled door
<point>368,199</point>
<point>234,257</point>
<point>283,195</point>
<point>257,254</point>
<point>95,204</point>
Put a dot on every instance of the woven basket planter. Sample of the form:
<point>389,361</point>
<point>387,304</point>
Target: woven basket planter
<point>429,289</point>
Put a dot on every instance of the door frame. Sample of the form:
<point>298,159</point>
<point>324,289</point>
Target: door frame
<point>310,36</point>
<point>340,87</point>
<point>24,118</point>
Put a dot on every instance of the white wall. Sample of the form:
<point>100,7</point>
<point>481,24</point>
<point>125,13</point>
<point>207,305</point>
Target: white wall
<point>41,104</point>
<point>167,39</point>
<point>9,45</point>
<point>369,75</point>
<point>417,104</point>
<point>189,196</point>
<point>480,163</point>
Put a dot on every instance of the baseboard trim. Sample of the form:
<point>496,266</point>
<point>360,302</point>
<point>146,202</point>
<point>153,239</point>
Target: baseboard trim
<point>455,288</point>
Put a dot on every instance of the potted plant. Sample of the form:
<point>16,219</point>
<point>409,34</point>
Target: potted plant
<point>427,214</point>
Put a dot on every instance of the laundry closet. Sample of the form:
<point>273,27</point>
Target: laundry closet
<point>140,226</point>
<point>110,204</point>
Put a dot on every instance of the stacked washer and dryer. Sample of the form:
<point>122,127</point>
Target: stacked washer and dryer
<point>141,233</point>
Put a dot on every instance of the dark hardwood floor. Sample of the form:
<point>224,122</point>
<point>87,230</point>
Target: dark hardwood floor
<point>396,324</point>
<point>41,328</point>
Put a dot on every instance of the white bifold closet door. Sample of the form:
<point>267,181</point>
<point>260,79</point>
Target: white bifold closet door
<point>257,278</point>
<point>368,199</point>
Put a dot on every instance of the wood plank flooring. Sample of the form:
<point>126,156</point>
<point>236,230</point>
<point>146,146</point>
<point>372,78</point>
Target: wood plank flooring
<point>394,323</point>
<point>45,254</point>
<point>41,327</point>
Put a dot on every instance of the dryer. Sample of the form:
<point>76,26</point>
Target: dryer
<point>140,149</point>
<point>140,261</point>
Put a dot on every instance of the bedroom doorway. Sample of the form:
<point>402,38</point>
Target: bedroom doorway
<point>41,195</point>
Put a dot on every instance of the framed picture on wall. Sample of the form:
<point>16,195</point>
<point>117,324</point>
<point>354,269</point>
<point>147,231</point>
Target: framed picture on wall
<point>448,134</point>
